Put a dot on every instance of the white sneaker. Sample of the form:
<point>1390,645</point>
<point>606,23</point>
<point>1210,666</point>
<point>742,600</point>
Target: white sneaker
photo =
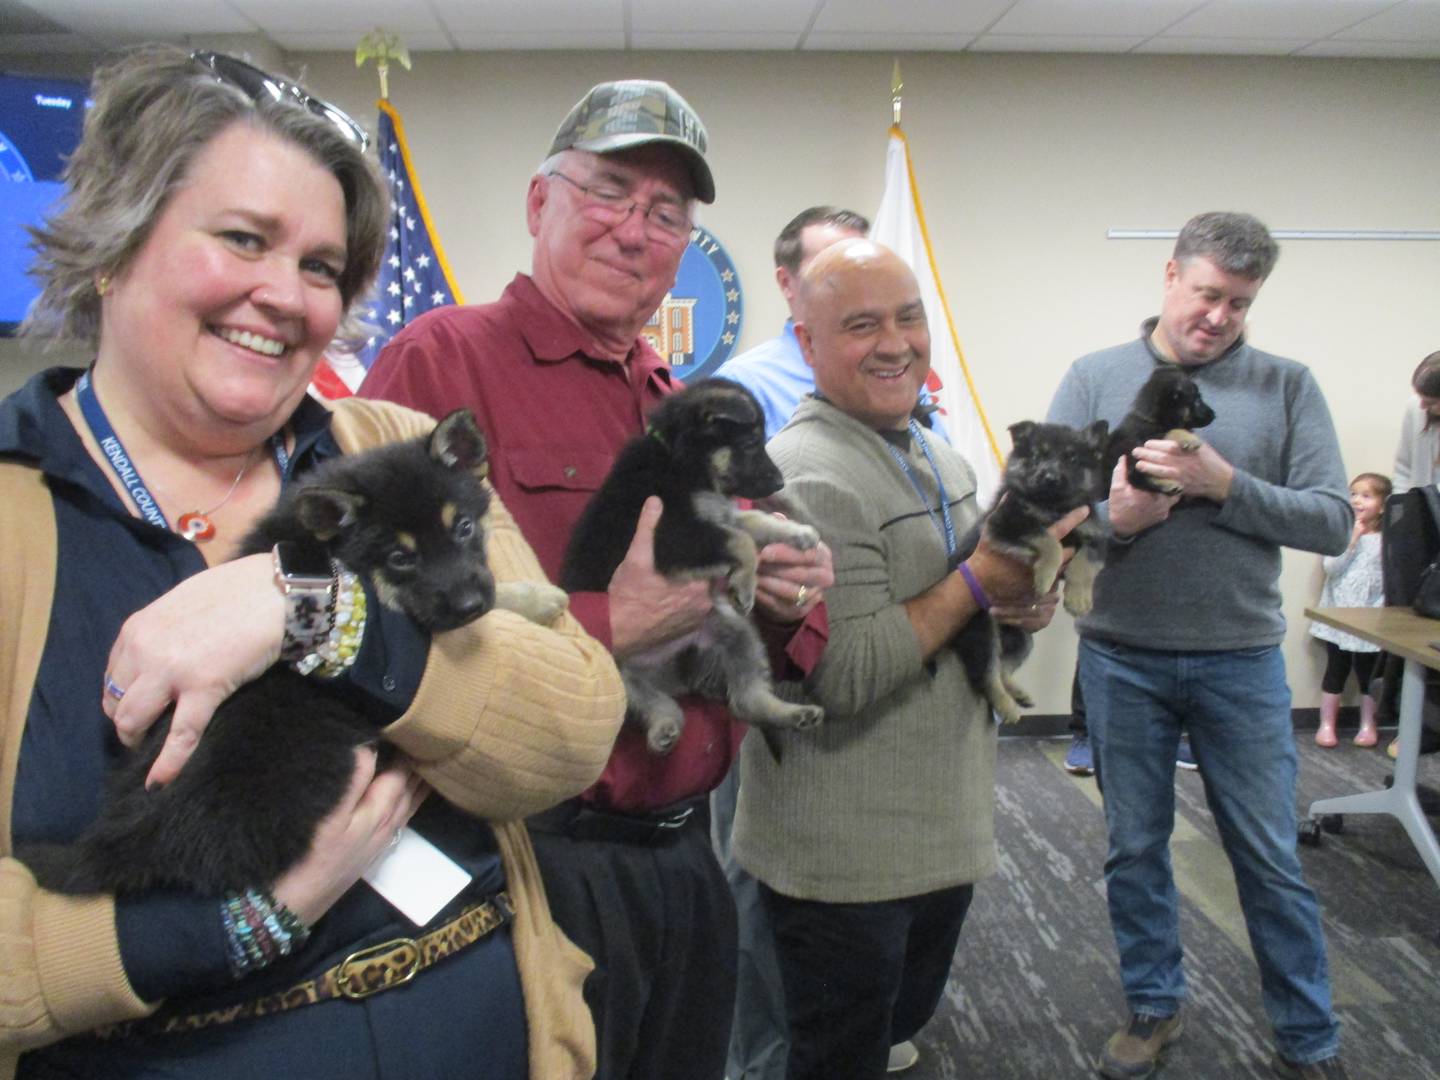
<point>902,1056</point>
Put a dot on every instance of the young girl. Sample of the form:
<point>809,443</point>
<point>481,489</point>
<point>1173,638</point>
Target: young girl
<point>1353,580</point>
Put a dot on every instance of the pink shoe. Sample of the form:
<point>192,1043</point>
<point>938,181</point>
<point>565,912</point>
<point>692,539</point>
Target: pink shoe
<point>1366,736</point>
<point>1325,736</point>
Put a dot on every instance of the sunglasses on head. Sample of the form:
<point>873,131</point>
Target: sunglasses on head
<point>262,86</point>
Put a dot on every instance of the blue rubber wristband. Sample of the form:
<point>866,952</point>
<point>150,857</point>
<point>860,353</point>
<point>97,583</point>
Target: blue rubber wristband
<point>981,600</point>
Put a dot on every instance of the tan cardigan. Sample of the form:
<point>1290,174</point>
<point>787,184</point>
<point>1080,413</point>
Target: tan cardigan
<point>510,718</point>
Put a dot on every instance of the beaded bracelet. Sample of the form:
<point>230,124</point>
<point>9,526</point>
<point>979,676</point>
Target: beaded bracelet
<point>259,930</point>
<point>337,651</point>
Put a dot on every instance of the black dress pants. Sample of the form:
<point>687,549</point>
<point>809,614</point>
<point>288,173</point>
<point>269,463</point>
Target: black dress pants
<point>860,977</point>
<point>656,915</point>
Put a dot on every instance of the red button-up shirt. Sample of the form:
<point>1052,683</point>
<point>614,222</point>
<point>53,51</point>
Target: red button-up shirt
<point>555,419</point>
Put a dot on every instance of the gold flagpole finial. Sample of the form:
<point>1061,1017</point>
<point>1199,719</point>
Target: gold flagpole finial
<point>382,47</point>
<point>896,85</point>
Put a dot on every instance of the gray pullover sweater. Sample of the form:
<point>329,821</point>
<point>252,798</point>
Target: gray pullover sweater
<point>1207,578</point>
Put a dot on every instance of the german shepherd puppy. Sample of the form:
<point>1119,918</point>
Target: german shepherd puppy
<point>280,752</point>
<point>1052,470</point>
<point>703,447</point>
<point>1168,406</point>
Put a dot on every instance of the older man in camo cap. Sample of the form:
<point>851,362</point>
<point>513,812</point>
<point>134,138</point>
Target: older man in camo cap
<point>560,378</point>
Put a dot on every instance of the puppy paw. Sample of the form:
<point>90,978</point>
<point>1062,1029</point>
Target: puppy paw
<point>1188,441</point>
<point>1078,600</point>
<point>538,601</point>
<point>1008,711</point>
<point>810,716</point>
<point>741,590</point>
<point>803,537</point>
<point>662,737</point>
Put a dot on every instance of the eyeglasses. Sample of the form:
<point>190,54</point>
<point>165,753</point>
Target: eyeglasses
<point>262,86</point>
<point>666,220</point>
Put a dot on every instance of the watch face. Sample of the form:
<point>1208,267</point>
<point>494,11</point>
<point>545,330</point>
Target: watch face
<point>302,560</point>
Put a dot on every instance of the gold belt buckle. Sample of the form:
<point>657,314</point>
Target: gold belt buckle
<point>409,957</point>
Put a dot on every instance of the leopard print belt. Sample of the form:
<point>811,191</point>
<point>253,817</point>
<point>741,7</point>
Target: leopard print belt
<point>364,972</point>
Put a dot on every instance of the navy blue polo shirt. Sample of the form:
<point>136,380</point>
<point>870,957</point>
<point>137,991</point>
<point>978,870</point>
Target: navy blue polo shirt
<point>110,565</point>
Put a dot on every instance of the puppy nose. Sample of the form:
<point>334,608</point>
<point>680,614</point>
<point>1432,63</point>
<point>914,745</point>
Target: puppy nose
<point>470,603</point>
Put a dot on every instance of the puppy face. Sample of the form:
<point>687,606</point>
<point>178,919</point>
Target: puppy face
<point>1172,399</point>
<point>716,432</point>
<point>409,517</point>
<point>1055,465</point>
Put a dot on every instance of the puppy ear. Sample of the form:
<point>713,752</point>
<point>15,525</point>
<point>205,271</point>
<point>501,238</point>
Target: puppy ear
<point>1099,434</point>
<point>1021,432</point>
<point>457,444</point>
<point>327,512</point>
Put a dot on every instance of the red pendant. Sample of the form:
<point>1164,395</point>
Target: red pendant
<point>195,526</point>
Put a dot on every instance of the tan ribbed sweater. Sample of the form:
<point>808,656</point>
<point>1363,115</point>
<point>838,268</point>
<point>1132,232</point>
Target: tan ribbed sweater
<point>510,718</point>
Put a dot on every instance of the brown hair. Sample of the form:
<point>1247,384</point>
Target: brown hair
<point>155,111</point>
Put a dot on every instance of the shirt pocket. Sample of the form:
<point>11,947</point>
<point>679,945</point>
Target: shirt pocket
<point>557,469</point>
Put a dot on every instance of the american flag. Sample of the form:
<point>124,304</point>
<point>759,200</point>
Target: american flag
<point>414,275</point>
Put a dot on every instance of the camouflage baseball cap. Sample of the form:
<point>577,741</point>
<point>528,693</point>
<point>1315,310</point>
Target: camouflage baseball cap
<point>635,112</point>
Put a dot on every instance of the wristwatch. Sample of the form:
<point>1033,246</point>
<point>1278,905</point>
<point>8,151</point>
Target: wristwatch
<point>308,578</point>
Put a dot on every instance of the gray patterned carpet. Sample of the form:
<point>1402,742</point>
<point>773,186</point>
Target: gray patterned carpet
<point>1034,994</point>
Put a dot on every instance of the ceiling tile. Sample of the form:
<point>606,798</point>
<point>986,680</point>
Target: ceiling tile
<point>352,18</point>
<point>909,16</point>
<point>738,16</point>
<point>1193,46</point>
<point>844,42</point>
<point>530,16</point>
<point>554,39</point>
<point>1403,22</point>
<point>1295,19</point>
<point>347,40</point>
<point>148,18</point>
<point>1102,18</point>
<point>1072,43</point>
<point>770,41</point>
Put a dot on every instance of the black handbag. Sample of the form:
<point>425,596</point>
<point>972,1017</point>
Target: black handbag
<point>1411,549</point>
<point>1427,592</point>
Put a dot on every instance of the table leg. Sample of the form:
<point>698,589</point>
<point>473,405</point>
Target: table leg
<point>1400,799</point>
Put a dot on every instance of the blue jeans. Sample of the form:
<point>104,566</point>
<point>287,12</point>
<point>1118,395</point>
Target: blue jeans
<point>1235,706</point>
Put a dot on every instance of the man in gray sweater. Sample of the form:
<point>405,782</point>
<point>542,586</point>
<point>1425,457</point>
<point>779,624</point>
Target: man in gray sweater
<point>1185,637</point>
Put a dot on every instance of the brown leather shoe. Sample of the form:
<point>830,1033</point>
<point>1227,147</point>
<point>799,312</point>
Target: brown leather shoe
<point>1133,1052</point>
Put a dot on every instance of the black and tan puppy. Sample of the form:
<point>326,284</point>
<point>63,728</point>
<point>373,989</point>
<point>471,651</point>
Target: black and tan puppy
<point>703,448</point>
<point>1052,470</point>
<point>278,755</point>
<point>1168,406</point>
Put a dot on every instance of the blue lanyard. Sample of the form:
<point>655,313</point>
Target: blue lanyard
<point>119,460</point>
<point>947,530</point>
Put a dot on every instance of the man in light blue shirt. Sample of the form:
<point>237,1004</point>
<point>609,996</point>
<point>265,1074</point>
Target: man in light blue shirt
<point>774,371</point>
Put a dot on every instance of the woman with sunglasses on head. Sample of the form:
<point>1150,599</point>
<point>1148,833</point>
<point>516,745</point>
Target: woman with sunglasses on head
<point>218,225</point>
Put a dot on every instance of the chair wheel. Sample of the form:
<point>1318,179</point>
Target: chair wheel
<point>1334,824</point>
<point>1309,833</point>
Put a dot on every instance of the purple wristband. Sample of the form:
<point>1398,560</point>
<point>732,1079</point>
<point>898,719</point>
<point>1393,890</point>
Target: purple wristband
<point>976,591</point>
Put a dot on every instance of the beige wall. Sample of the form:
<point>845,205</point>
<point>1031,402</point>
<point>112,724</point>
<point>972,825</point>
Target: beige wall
<point>1023,163</point>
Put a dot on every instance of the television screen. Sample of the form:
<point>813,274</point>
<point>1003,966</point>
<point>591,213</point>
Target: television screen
<point>40,123</point>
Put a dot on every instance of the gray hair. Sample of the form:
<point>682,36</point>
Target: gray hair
<point>788,245</point>
<point>1236,243</point>
<point>154,111</point>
